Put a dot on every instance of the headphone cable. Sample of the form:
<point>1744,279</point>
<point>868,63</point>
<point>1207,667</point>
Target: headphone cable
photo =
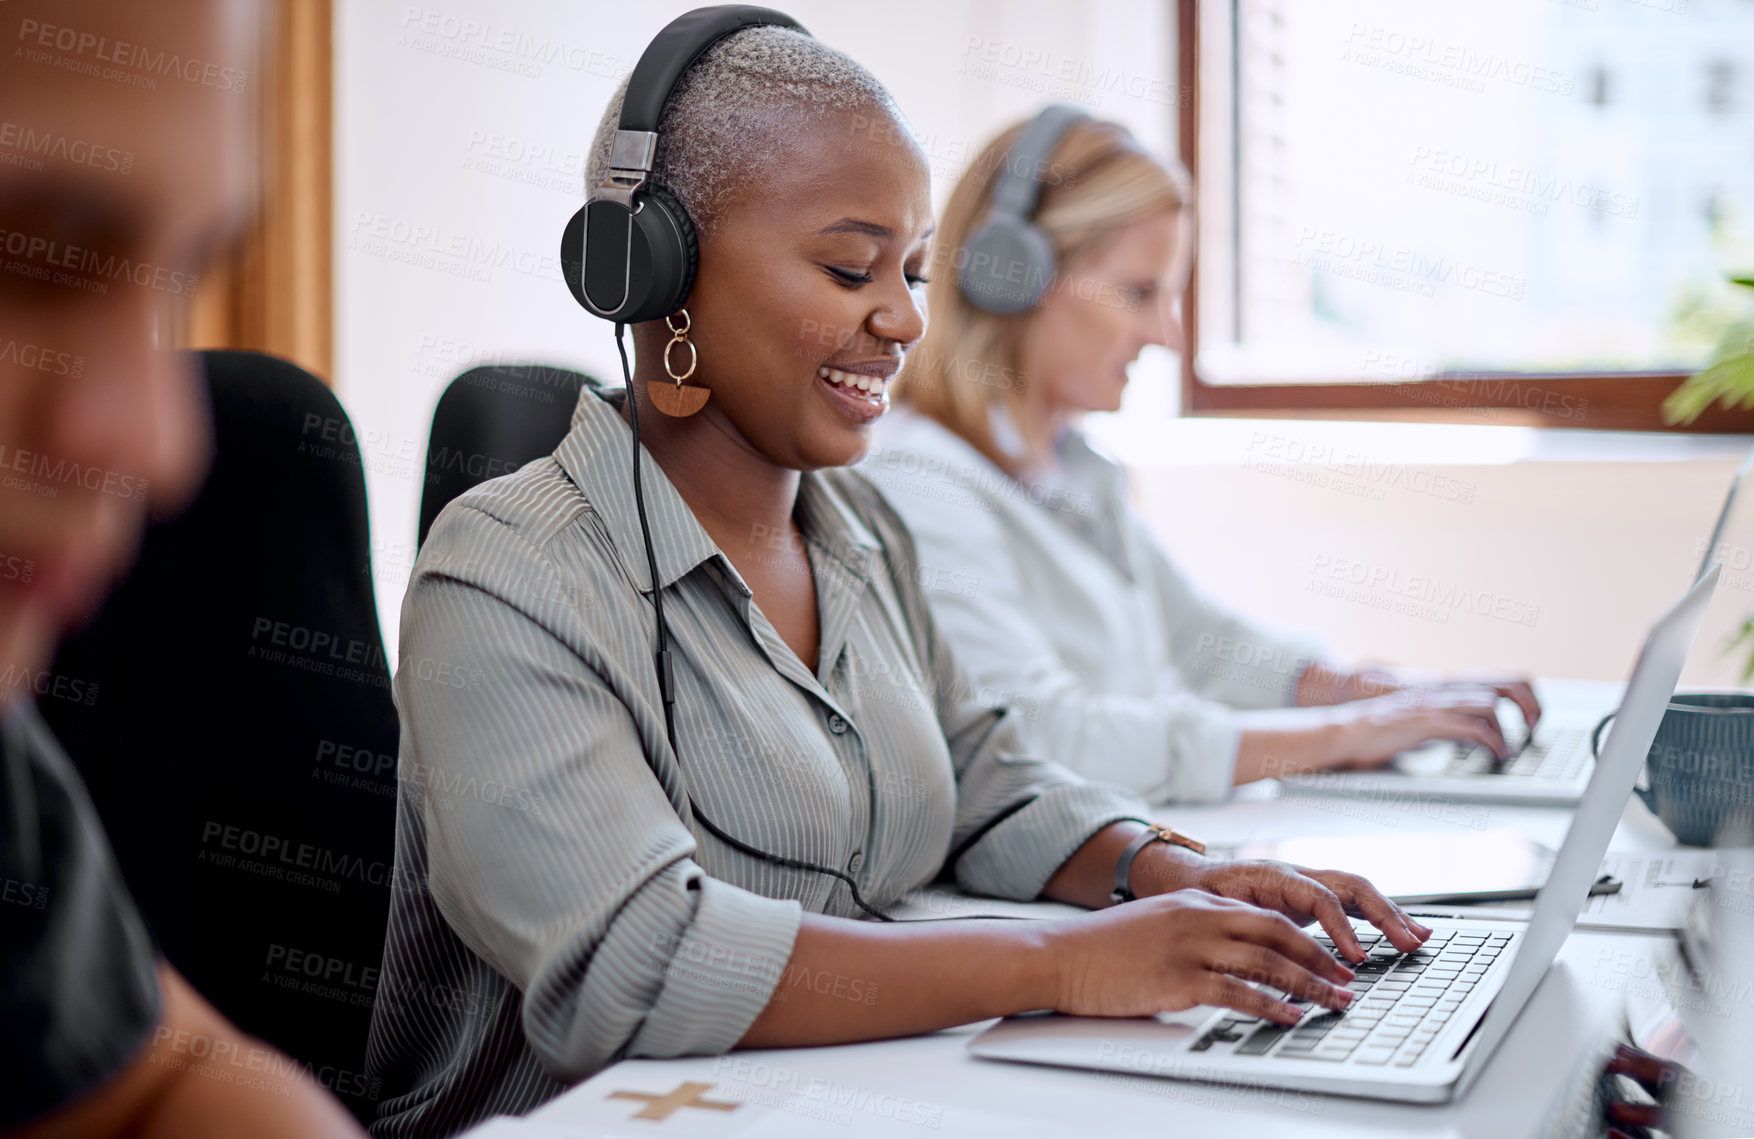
<point>667,678</point>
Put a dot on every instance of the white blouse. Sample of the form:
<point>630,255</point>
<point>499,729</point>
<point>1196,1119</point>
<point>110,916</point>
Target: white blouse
<point>1057,599</point>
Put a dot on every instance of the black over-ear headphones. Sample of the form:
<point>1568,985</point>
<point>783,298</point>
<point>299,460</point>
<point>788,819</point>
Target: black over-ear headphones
<point>1007,263</point>
<point>630,253</point>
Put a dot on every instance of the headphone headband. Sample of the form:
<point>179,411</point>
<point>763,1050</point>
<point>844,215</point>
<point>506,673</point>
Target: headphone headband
<point>1019,185</point>
<point>630,254</point>
<point>674,50</point>
<point>670,54</point>
<point>1007,261</point>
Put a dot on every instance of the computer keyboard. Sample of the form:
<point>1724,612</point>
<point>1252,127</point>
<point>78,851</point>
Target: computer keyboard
<point>1401,1002</point>
<point>1550,755</point>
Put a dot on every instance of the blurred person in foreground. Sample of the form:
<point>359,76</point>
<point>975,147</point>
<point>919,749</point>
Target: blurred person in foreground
<point>1052,590</point>
<point>126,160</point>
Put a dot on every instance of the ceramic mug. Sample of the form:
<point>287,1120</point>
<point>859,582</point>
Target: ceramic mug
<point>1699,776</point>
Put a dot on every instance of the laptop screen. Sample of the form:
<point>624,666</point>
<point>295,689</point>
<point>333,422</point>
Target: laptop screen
<point>1653,681</point>
<point>1723,515</point>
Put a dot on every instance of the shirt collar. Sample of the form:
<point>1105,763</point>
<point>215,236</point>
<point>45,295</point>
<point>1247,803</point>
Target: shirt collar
<point>829,522</point>
<point>597,454</point>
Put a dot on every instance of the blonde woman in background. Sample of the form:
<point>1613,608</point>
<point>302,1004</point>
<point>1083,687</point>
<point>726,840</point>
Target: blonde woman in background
<point>1061,254</point>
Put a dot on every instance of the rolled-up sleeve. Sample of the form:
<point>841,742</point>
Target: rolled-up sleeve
<point>583,892</point>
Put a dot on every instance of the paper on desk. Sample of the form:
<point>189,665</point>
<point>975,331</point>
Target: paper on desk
<point>770,1095</point>
<point>1654,891</point>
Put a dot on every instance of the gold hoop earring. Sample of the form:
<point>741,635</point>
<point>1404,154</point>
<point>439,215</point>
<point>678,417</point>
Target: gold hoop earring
<point>678,400</point>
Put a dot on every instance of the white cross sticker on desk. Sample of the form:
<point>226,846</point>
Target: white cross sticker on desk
<point>662,1107</point>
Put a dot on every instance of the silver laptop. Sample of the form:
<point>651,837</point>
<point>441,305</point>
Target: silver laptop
<point>1421,1025</point>
<point>1549,767</point>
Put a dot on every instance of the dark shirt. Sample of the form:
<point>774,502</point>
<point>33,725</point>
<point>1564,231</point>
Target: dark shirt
<point>78,994</point>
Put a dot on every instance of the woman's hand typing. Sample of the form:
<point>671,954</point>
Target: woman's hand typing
<point>1202,931</point>
<point>1203,926</point>
<point>1367,732</point>
<point>1298,893</point>
<point>1190,947</point>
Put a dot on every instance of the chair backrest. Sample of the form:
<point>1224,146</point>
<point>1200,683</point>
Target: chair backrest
<point>230,710</point>
<point>491,421</point>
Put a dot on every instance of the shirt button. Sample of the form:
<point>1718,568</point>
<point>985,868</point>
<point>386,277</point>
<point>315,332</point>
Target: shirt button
<point>837,724</point>
<point>856,861</point>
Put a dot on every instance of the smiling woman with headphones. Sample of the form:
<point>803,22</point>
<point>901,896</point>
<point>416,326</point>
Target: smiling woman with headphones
<point>709,718</point>
<point>1066,247</point>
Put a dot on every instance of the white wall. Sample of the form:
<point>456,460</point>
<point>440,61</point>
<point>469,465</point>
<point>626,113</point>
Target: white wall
<point>1456,547</point>
<point>461,129</point>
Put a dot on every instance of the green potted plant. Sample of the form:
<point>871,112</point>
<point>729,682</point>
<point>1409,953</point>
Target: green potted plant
<point>1728,376</point>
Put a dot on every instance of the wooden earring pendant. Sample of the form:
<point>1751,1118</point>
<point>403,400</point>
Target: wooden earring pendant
<point>678,400</point>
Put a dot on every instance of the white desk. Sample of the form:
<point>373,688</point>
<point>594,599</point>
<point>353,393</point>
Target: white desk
<point>1536,1086</point>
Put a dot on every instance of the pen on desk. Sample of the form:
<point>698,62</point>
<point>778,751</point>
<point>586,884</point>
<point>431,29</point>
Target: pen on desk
<point>1606,884</point>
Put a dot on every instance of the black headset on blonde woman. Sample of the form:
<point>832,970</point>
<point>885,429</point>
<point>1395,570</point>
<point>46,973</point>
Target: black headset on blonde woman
<point>630,255</point>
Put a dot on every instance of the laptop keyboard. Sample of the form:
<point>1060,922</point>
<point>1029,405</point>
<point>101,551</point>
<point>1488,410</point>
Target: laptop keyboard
<point>1558,754</point>
<point>1401,1001</point>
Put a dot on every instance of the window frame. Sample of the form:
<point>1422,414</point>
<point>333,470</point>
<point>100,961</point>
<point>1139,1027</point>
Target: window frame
<point>1612,401</point>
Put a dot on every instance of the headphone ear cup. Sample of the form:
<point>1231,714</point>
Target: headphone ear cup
<point>1007,265</point>
<point>572,255</point>
<point>663,258</point>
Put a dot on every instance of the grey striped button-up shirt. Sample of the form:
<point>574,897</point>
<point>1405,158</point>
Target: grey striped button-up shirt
<point>557,906</point>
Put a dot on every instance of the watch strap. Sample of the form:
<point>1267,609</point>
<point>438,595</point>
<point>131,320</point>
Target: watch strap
<point>1153,832</point>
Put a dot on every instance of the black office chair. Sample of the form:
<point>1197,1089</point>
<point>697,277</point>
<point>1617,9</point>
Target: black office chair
<point>490,422</point>
<point>230,710</point>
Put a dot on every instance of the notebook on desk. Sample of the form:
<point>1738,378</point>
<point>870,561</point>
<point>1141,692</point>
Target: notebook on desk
<point>1422,1025</point>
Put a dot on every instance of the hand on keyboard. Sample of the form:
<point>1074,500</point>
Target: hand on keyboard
<point>1402,1003</point>
<point>1322,684</point>
<point>1303,895</point>
<point>1174,951</point>
<point>1549,754</point>
<point>1375,731</point>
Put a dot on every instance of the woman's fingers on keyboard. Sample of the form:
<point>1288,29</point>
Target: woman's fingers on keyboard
<point>1278,934</point>
<point>1259,965</point>
<point>1637,1114</point>
<point>1517,689</point>
<point>1470,729</point>
<point>1330,911</point>
<point>1359,897</point>
<point>1522,693</point>
<point>1228,992</point>
<point>1648,1070</point>
<point>1473,699</point>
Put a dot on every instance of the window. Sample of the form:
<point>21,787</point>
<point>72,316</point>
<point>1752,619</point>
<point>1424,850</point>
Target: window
<point>1532,206</point>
